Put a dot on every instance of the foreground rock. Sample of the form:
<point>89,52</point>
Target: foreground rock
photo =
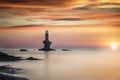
<point>9,70</point>
<point>6,77</point>
<point>6,57</point>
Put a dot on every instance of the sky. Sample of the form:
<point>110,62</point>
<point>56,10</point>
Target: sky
<point>71,23</point>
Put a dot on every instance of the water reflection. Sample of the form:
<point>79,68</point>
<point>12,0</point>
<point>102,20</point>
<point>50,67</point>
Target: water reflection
<point>46,66</point>
<point>72,65</point>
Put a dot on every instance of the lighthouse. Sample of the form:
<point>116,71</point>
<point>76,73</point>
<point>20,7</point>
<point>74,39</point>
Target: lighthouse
<point>46,42</point>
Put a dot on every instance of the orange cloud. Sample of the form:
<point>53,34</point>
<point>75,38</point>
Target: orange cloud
<point>62,4</point>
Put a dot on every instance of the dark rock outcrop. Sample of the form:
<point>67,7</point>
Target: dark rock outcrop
<point>65,50</point>
<point>6,57</point>
<point>23,50</point>
<point>31,58</point>
<point>9,70</point>
<point>43,49</point>
<point>7,77</point>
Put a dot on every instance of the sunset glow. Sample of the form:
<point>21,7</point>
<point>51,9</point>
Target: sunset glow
<point>114,46</point>
<point>60,39</point>
<point>71,23</point>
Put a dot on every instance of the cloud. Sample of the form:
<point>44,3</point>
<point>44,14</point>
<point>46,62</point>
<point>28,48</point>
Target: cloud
<point>26,26</point>
<point>100,16</point>
<point>55,19</point>
<point>57,4</point>
<point>5,22</point>
<point>40,16</point>
<point>98,6</point>
<point>68,19</point>
<point>37,3</point>
<point>97,10</point>
<point>14,1</point>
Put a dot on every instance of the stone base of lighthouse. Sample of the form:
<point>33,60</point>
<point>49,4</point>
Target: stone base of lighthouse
<point>47,49</point>
<point>47,46</point>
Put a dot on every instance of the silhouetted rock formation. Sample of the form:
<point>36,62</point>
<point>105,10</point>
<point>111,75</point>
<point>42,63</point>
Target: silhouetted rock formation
<point>23,50</point>
<point>9,70</point>
<point>65,50</point>
<point>6,77</point>
<point>5,57</point>
<point>31,58</point>
<point>47,43</point>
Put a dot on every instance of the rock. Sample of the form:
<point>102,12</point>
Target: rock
<point>9,70</point>
<point>23,50</point>
<point>43,49</point>
<point>7,77</point>
<point>6,57</point>
<point>65,50</point>
<point>31,58</point>
<point>3,67</point>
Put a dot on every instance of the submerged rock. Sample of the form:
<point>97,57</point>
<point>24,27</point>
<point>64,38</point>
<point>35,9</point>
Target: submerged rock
<point>65,50</point>
<point>31,58</point>
<point>23,50</point>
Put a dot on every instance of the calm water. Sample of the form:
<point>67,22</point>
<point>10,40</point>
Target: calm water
<point>69,65</point>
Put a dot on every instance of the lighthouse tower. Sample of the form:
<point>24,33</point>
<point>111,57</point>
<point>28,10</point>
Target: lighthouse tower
<point>46,42</point>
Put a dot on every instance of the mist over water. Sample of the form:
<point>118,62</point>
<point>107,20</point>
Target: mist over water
<point>69,65</point>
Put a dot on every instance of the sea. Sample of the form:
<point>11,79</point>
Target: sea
<point>76,64</point>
